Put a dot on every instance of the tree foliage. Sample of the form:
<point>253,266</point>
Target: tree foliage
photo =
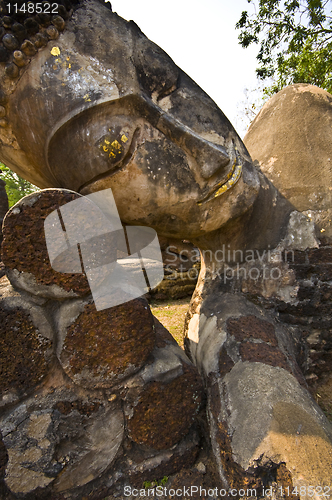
<point>16,187</point>
<point>295,38</point>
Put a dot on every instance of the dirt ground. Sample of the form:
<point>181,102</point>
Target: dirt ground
<point>171,313</point>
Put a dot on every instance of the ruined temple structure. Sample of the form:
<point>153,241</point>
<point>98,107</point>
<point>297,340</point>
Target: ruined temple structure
<point>93,401</point>
<point>181,261</point>
<point>300,167</point>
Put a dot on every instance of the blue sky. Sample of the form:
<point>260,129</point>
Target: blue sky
<point>200,37</point>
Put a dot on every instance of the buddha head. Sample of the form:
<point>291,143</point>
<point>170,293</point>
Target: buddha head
<point>89,103</point>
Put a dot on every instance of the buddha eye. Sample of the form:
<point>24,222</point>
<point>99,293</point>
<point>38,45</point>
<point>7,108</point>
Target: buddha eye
<point>97,140</point>
<point>114,144</point>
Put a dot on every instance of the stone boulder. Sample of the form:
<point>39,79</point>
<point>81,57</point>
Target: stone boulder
<point>24,250</point>
<point>291,139</point>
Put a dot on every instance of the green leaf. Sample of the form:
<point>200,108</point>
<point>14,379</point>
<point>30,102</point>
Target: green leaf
<point>295,39</point>
<point>16,187</point>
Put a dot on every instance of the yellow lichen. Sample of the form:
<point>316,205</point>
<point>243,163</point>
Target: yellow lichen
<point>55,51</point>
<point>116,144</point>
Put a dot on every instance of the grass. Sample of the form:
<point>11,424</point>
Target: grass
<point>171,314</point>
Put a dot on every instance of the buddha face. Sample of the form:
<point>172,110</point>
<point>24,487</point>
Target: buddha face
<point>103,107</point>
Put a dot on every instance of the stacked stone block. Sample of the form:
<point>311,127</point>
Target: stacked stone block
<point>312,314</point>
<point>89,399</point>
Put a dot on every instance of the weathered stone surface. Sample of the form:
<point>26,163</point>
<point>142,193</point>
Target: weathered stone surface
<point>25,344</point>
<point>164,397</point>
<point>310,314</point>
<point>24,250</point>
<point>264,354</point>
<point>56,441</point>
<point>290,139</point>
<point>40,40</point>
<point>20,59</point>
<point>10,42</point>
<point>284,479</point>
<point>31,27</point>
<point>204,342</point>
<point>3,203</point>
<point>165,411</point>
<point>250,327</point>
<point>225,362</point>
<point>63,441</point>
<point>19,30</point>
<point>181,269</point>
<point>59,23</point>
<point>299,293</point>
<point>301,232</point>
<point>176,284</point>
<point>180,255</point>
<point>44,19</point>
<point>139,465</point>
<point>4,54</point>
<point>52,33</point>
<point>23,351</point>
<point>98,348</point>
<point>189,481</point>
<point>185,480</point>
<point>253,349</point>
<point>182,143</point>
<point>230,471</point>
<point>102,443</point>
<point>320,255</point>
<point>12,71</point>
<point>3,458</point>
<point>289,426</point>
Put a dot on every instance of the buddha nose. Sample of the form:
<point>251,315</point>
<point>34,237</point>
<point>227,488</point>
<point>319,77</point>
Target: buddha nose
<point>211,158</point>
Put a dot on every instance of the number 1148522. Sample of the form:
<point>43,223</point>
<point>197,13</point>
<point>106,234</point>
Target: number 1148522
<point>33,8</point>
<point>311,491</point>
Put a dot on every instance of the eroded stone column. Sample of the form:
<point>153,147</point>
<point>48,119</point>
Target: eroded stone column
<point>263,420</point>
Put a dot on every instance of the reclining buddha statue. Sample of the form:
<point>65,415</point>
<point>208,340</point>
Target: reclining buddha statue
<point>94,401</point>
